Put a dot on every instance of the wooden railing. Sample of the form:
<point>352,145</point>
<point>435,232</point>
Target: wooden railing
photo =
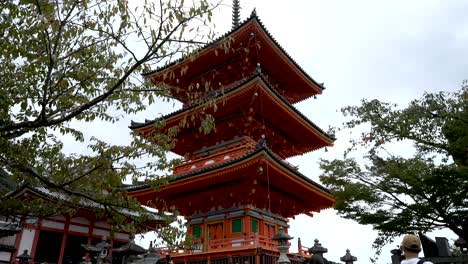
<point>242,242</point>
<point>303,251</point>
<point>225,244</point>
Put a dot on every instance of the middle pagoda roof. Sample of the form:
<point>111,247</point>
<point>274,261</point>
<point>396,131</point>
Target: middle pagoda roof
<point>251,108</point>
<point>235,56</point>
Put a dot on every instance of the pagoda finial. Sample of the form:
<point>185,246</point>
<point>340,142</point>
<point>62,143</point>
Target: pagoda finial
<point>235,13</point>
<point>254,13</point>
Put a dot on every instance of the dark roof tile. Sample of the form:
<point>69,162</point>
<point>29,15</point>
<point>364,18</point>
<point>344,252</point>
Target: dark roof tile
<point>247,155</point>
<point>136,125</point>
<point>253,17</point>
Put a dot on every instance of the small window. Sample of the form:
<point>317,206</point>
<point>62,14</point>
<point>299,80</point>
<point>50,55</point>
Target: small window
<point>254,224</point>
<point>196,231</point>
<point>236,226</point>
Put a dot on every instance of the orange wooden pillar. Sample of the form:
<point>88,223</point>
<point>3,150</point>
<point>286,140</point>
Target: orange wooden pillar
<point>64,239</point>
<point>18,239</point>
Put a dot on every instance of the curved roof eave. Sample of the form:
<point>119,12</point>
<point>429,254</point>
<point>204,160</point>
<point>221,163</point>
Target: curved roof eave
<point>135,125</point>
<point>246,156</point>
<point>89,205</point>
<point>253,17</point>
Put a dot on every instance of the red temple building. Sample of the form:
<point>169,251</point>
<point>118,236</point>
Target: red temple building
<point>234,187</point>
<point>59,238</point>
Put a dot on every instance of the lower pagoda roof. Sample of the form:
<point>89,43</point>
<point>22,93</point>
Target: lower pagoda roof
<point>259,178</point>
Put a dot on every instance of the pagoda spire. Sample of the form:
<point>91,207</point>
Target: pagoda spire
<point>235,13</point>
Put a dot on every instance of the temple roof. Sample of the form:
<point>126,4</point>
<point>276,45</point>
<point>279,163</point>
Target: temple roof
<point>296,71</point>
<point>247,155</point>
<point>136,125</point>
<point>227,184</point>
<point>258,77</point>
<point>46,193</point>
<point>8,228</point>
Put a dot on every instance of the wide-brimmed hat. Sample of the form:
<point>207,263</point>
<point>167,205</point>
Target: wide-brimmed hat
<point>411,243</point>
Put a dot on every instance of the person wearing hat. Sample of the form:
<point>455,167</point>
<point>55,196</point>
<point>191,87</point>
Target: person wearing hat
<point>411,246</point>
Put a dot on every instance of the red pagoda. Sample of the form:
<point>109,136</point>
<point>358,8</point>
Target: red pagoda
<point>235,188</point>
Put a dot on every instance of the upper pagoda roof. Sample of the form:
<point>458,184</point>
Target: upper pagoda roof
<point>291,80</point>
<point>279,112</point>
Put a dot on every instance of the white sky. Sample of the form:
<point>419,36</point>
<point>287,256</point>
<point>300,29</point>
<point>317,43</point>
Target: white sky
<point>389,50</point>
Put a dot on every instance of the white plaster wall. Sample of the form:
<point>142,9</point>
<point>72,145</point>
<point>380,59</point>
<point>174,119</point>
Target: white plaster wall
<point>80,229</point>
<point>80,220</point>
<point>54,225</point>
<point>26,240</point>
<point>102,224</point>
<point>5,256</point>
<point>122,236</point>
<point>101,232</point>
<point>32,221</point>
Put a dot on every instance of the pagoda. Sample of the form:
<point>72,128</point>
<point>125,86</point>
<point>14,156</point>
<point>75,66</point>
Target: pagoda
<point>235,188</point>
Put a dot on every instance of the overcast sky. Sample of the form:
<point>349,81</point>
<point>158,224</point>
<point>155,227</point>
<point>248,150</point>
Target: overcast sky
<point>389,50</point>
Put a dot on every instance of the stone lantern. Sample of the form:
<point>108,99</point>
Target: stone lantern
<point>129,251</point>
<point>153,256</point>
<point>317,250</point>
<point>348,258</point>
<point>283,246</point>
<point>100,249</point>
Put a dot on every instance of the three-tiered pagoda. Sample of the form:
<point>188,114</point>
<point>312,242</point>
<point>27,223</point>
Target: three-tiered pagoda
<point>235,188</point>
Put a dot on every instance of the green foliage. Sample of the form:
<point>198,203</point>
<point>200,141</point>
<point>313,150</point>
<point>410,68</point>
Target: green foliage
<point>397,195</point>
<point>173,235</point>
<point>65,61</point>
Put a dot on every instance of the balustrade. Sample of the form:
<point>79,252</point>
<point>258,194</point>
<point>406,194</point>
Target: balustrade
<point>225,244</point>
